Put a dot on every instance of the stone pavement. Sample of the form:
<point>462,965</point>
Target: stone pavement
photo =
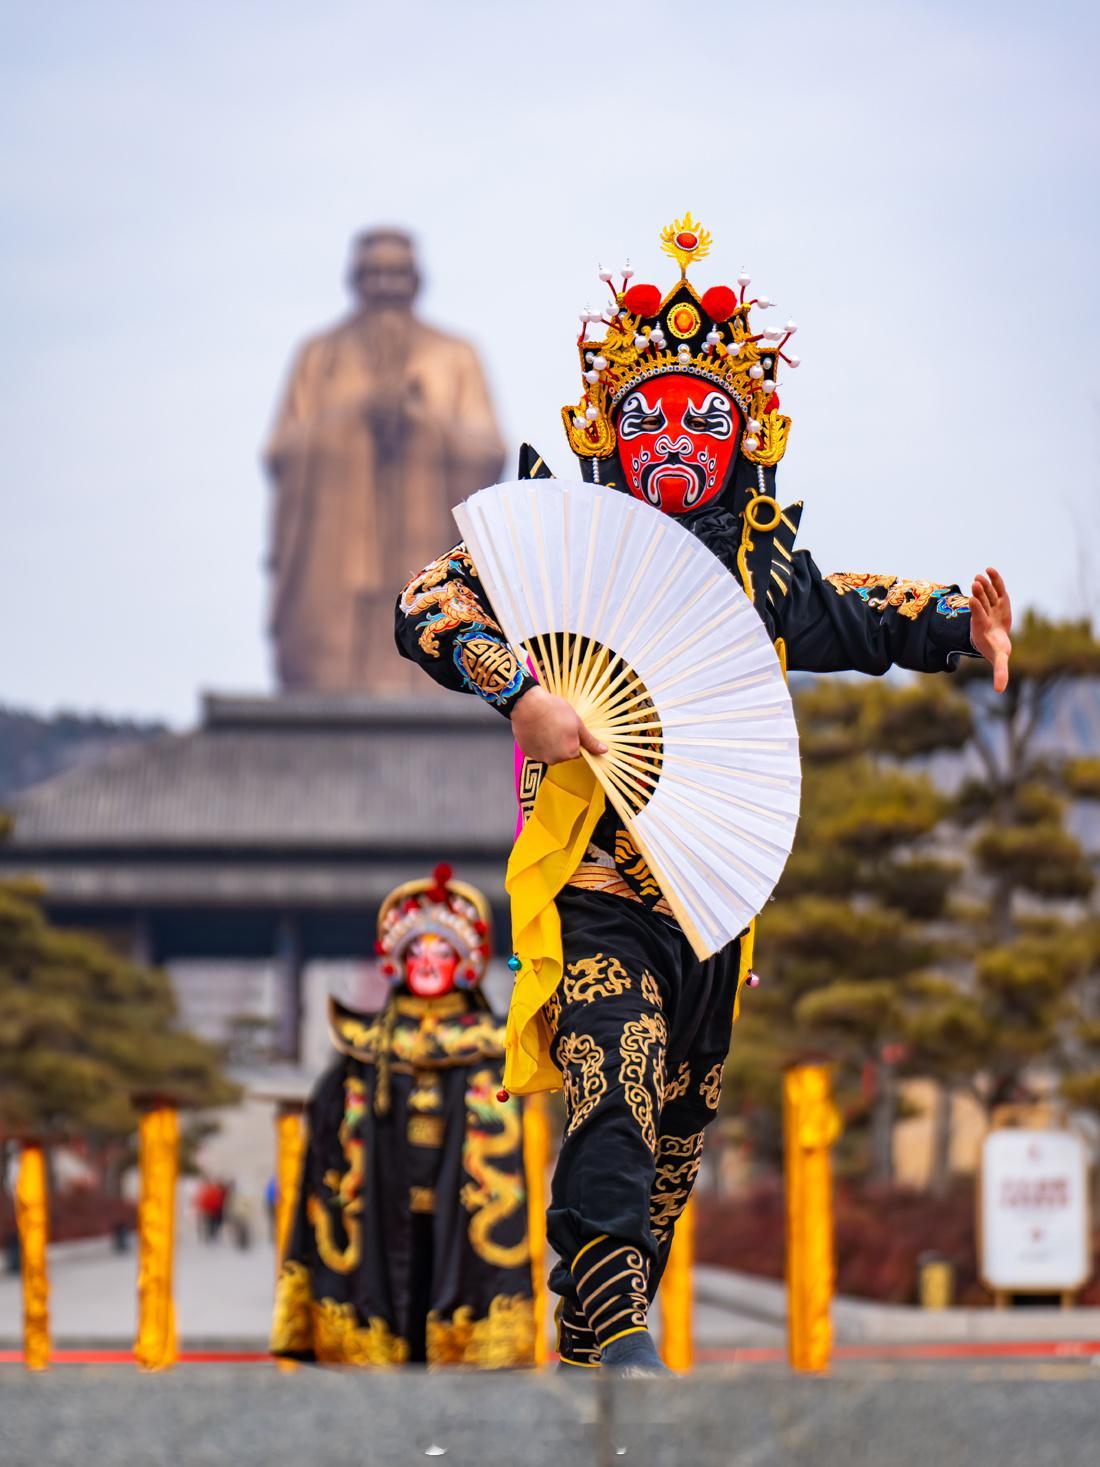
<point>224,1295</point>
<point>255,1416</point>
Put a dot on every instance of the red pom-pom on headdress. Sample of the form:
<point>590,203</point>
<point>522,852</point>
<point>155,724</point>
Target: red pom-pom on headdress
<point>719,302</point>
<point>642,300</point>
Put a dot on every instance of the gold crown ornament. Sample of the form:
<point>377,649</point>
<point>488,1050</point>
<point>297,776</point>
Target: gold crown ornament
<point>440,906</point>
<point>647,334</point>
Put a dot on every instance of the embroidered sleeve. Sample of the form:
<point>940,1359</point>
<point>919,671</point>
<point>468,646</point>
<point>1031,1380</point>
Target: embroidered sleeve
<point>863,622</point>
<point>444,621</point>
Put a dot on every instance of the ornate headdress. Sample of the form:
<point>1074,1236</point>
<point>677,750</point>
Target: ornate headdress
<point>440,906</point>
<point>647,334</point>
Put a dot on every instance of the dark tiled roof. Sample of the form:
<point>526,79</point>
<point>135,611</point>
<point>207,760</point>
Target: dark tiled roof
<point>290,774</point>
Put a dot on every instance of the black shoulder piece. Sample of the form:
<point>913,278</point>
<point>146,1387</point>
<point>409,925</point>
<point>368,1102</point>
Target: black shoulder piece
<point>531,465</point>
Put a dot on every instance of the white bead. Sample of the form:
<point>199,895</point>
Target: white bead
<point>605,275</point>
<point>591,413</point>
<point>764,303</point>
<point>589,355</point>
<point>794,361</point>
<point>578,421</point>
<point>712,337</point>
<point>766,363</point>
<point>733,348</point>
<point>592,377</point>
<point>756,372</point>
<point>627,272</point>
<point>753,426</point>
<point>790,328</point>
<point>751,444</point>
<point>768,384</point>
<point>641,342</point>
<point>600,364</point>
<point>744,278</point>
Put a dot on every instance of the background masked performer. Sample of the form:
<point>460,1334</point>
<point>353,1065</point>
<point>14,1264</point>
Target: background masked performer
<point>385,425</point>
<point>410,1238</point>
<point>679,409</point>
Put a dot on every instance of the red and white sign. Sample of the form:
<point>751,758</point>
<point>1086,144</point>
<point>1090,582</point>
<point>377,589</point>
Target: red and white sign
<point>1034,1211</point>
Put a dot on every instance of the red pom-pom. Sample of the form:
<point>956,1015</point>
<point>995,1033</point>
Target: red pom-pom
<point>481,928</point>
<point>503,1096</point>
<point>773,403</point>
<point>719,302</point>
<point>379,947</point>
<point>411,905</point>
<point>642,300</point>
<point>442,874</point>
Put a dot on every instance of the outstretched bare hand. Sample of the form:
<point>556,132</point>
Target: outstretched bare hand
<point>990,624</point>
<point>547,728</point>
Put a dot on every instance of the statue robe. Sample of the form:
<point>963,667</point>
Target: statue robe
<point>348,520</point>
<point>409,1240</point>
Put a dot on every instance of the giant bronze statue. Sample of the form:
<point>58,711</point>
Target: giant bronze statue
<point>385,425</point>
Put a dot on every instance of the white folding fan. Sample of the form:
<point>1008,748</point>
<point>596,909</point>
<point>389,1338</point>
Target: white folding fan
<point>634,622</point>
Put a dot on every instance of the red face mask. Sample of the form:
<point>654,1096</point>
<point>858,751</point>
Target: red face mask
<point>430,965</point>
<point>677,436</point>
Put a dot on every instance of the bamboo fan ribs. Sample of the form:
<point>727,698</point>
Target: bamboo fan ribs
<point>633,621</point>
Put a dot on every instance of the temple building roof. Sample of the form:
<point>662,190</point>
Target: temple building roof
<point>294,802</point>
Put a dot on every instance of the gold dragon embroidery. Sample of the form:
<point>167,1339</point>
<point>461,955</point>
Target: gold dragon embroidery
<point>447,602</point>
<point>492,1130</point>
<point>592,978</point>
<point>344,1189</point>
<point>908,598</point>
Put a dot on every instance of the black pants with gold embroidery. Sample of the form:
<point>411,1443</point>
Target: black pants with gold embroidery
<point>642,1029</point>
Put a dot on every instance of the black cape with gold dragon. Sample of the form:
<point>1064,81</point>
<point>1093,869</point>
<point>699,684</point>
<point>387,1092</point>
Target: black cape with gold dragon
<point>409,1239</point>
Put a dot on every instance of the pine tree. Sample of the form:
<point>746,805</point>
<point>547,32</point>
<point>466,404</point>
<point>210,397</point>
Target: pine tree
<point>847,946</point>
<point>1033,943</point>
<point>83,1032</point>
<point>923,932</point>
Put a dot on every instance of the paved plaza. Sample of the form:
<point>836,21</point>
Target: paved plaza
<point>223,1297</point>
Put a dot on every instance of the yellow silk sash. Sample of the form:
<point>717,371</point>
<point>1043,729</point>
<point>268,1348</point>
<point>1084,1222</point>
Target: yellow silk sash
<point>547,851</point>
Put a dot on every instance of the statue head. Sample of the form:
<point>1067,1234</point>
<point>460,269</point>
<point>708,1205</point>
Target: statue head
<point>382,271</point>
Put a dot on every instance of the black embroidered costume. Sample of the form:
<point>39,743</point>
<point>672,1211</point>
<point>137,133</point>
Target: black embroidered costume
<point>409,1241</point>
<point>641,1027</point>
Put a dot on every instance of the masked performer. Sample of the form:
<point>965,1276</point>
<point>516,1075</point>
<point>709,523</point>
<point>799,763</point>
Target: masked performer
<point>679,409</point>
<point>410,1237</point>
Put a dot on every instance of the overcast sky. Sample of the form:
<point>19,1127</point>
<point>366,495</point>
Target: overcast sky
<point>916,183</point>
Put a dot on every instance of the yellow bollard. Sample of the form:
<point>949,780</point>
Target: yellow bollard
<point>32,1219</point>
<point>156,1346</point>
<point>676,1294</point>
<point>290,1145</point>
<point>810,1126</point>
<point>536,1158</point>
